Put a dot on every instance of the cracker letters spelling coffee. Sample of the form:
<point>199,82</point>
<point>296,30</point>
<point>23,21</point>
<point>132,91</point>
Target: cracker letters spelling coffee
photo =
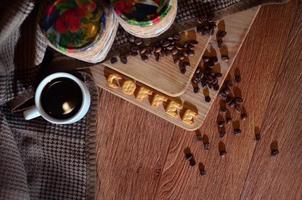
<point>61,98</point>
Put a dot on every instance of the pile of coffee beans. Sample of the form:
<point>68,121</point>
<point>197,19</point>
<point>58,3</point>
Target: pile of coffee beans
<point>206,26</point>
<point>170,46</point>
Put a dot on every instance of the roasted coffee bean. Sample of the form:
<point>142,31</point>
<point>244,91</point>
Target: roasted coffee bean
<point>220,43</point>
<point>232,104</point>
<point>170,38</point>
<point>196,89</point>
<point>182,67</point>
<point>223,108</point>
<point>228,117</point>
<point>176,37</point>
<point>179,47</point>
<point>190,52</point>
<point>206,143</point>
<point>198,135</point>
<point>238,108</point>
<point>207,99</point>
<point>176,59</point>
<point>228,99</point>
<point>143,51</point>
<point>113,60</point>
<point>205,58</point>
<point>243,115</point>
<point>188,153</point>
<point>131,39</point>
<point>274,148</point>
<point>225,58</point>
<point>257,136</point>
<point>186,45</point>
<point>123,59</point>
<point>201,168</point>
<point>221,123</point>
<point>194,42</point>
<point>170,48</point>
<point>237,78</point>
<point>144,57</point>
<point>274,152</point>
<point>238,100</point>
<point>156,56</point>
<point>158,49</point>
<point>216,87</point>
<point>192,161</point>
<point>166,43</point>
<point>221,33</point>
<point>133,53</point>
<point>182,57</point>
<point>221,148</point>
<point>237,131</point>
<point>221,131</point>
<point>174,52</point>
<point>138,41</point>
<point>134,49</point>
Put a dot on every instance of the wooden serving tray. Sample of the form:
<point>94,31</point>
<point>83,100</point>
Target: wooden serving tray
<point>237,27</point>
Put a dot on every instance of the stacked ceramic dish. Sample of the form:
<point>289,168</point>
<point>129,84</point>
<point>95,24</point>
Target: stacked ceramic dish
<point>85,30</point>
<point>82,29</point>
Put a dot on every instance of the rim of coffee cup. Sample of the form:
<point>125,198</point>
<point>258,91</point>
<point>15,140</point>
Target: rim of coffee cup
<point>85,95</point>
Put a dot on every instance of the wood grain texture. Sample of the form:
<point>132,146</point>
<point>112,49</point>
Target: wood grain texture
<point>271,69</point>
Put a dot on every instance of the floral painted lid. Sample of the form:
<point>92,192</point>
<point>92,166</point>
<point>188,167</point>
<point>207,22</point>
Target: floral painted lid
<point>72,24</point>
<point>141,12</point>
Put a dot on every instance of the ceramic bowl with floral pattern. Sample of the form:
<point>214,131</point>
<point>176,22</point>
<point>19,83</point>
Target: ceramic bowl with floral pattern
<point>73,25</point>
<point>141,12</point>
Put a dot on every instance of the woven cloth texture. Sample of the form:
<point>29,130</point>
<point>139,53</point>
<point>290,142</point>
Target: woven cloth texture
<point>38,160</point>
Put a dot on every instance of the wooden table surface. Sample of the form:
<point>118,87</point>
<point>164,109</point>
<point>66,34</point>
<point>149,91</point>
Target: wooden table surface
<point>140,156</point>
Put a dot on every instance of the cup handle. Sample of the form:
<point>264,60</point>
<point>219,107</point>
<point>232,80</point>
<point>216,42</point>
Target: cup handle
<point>31,113</point>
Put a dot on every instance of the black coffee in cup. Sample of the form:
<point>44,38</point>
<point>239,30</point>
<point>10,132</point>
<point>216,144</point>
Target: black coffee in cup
<point>61,98</point>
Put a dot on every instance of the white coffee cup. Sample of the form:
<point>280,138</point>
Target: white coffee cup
<point>37,110</point>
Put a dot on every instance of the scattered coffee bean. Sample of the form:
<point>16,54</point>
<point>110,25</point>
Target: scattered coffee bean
<point>221,131</point>
<point>243,115</point>
<point>220,123</point>
<point>144,57</point>
<point>138,41</point>
<point>166,43</point>
<point>192,161</point>
<point>131,39</point>
<point>237,75</point>
<point>123,59</point>
<point>206,143</point>
<point>113,60</point>
<point>238,108</point>
<point>238,100</point>
<point>198,135</point>
<point>274,148</point>
<point>221,148</point>
<point>221,33</point>
<point>207,99</point>
<point>228,117</point>
<point>176,37</point>
<point>237,131</point>
<point>201,168</point>
<point>188,153</point>
<point>196,89</point>
<point>143,50</point>
<point>220,43</point>
<point>257,136</point>
<point>225,58</point>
